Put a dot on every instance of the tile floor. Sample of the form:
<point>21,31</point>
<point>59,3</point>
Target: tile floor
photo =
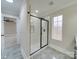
<point>12,53</point>
<point>50,53</point>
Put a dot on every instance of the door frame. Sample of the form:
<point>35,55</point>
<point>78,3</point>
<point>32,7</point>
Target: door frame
<point>41,33</point>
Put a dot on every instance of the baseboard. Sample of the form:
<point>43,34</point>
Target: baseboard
<point>69,53</point>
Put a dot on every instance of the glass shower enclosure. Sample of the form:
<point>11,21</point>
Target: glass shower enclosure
<point>39,33</point>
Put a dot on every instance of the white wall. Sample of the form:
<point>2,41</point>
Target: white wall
<point>2,33</point>
<point>69,27</point>
<point>23,30</point>
<point>18,30</point>
<point>2,25</point>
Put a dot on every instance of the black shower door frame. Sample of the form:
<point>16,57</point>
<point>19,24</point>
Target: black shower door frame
<point>41,19</point>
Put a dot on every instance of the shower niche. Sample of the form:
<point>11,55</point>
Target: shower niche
<point>39,33</point>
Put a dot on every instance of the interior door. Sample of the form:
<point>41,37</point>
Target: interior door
<point>10,34</point>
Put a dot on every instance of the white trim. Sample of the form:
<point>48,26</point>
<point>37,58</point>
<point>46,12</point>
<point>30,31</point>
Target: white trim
<point>62,50</point>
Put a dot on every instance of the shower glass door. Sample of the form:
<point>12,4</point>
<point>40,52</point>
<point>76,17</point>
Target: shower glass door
<point>39,34</point>
<point>35,34</point>
<point>44,32</point>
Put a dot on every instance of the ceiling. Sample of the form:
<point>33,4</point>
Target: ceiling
<point>40,5</point>
<point>44,6</point>
<point>11,8</point>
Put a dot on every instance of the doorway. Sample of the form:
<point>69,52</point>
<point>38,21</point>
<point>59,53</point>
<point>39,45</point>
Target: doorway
<point>10,47</point>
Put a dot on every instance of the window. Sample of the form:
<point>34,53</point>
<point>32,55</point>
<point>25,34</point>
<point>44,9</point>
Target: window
<point>57,27</point>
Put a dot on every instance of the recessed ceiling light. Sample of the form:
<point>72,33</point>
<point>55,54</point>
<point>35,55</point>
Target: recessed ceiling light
<point>10,1</point>
<point>51,3</point>
<point>36,11</point>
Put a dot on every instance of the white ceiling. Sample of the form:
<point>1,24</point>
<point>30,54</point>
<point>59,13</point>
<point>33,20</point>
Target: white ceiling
<point>11,8</point>
<point>44,7</point>
<point>41,5</point>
